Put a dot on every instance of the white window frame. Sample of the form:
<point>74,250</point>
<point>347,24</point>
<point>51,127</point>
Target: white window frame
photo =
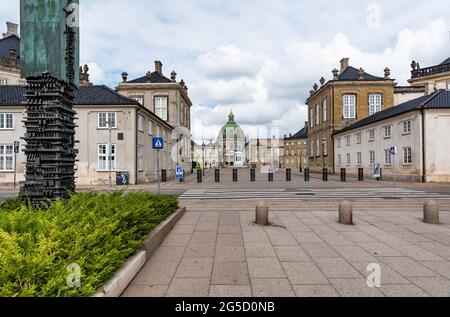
<point>388,157</point>
<point>359,158</point>
<point>150,127</point>
<point>6,155</point>
<point>407,155</point>
<point>348,140</point>
<point>372,157</point>
<point>339,159</point>
<point>6,118</point>
<point>371,135</point>
<point>349,159</point>
<point>312,149</point>
<point>387,132</point>
<point>324,110</point>
<point>105,153</point>
<point>311,115</point>
<point>140,123</point>
<point>139,99</point>
<point>3,82</point>
<point>161,108</point>
<point>407,127</point>
<point>317,115</point>
<point>358,138</point>
<point>140,158</point>
<point>349,106</point>
<point>318,147</point>
<point>109,116</point>
<point>339,142</point>
<point>375,103</point>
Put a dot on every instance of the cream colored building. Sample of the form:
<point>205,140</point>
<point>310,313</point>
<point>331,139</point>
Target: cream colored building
<point>9,56</point>
<point>296,149</point>
<point>168,100</point>
<point>432,78</point>
<point>266,153</point>
<point>207,155</point>
<point>419,131</point>
<point>97,107</point>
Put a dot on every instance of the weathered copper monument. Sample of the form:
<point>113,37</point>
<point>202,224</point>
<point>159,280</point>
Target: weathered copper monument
<point>49,63</point>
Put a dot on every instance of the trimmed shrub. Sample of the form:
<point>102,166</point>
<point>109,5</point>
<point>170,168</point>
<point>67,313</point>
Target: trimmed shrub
<point>97,232</point>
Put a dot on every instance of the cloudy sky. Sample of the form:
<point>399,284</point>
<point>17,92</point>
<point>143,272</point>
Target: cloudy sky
<point>258,58</point>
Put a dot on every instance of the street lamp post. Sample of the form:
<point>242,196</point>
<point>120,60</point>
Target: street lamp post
<point>203,158</point>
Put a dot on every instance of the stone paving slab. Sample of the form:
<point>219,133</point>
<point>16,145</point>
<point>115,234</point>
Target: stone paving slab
<point>216,250</point>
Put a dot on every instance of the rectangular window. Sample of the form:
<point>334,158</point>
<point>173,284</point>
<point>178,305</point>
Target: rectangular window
<point>387,132</point>
<point>311,117</point>
<point>324,110</point>
<point>407,156</point>
<point>6,158</point>
<point>387,157</point>
<point>375,103</point>
<point>349,106</point>
<point>105,119</point>
<point>141,123</point>
<point>347,140</point>
<point>161,107</point>
<point>103,163</point>
<point>339,159</point>
<point>407,127</point>
<point>6,121</point>
<point>140,157</point>
<point>348,159</point>
<point>312,149</point>
<point>139,99</point>
<point>2,82</point>
<point>372,157</point>
<point>358,138</point>
<point>317,147</point>
<point>150,127</point>
<point>359,158</point>
<point>317,115</point>
<point>372,135</point>
<point>339,142</point>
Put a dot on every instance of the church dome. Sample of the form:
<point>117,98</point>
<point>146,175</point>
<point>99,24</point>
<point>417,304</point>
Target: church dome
<point>231,129</point>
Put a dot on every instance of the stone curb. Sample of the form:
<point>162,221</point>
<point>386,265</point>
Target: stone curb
<point>123,277</point>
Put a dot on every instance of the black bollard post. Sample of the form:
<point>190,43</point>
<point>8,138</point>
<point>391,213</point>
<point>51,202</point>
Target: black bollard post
<point>252,175</point>
<point>325,174</point>
<point>217,175</point>
<point>199,176</point>
<point>235,175</point>
<point>270,176</point>
<point>288,175</point>
<point>163,176</point>
<point>306,174</point>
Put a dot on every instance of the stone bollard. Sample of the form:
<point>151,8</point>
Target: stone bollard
<point>345,213</point>
<point>262,214</point>
<point>431,212</point>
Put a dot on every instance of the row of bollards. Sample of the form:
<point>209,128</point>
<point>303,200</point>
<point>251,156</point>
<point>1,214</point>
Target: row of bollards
<point>430,213</point>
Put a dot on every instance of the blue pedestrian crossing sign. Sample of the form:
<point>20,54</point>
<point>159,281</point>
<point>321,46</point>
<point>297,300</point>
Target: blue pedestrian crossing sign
<point>158,143</point>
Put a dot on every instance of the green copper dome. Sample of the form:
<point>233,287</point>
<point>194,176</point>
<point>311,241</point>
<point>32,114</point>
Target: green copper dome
<point>231,129</point>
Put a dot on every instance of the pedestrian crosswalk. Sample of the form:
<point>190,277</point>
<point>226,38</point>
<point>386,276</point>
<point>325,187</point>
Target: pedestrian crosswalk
<point>323,193</point>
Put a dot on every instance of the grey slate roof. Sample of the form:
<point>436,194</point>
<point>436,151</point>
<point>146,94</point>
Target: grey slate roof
<point>7,43</point>
<point>155,78</point>
<point>351,73</point>
<point>302,134</point>
<point>438,100</point>
<point>85,95</point>
<point>447,61</point>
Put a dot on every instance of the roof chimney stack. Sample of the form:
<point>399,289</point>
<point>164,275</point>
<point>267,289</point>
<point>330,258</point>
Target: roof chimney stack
<point>344,63</point>
<point>11,29</point>
<point>158,67</point>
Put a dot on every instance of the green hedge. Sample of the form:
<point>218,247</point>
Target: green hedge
<point>98,232</point>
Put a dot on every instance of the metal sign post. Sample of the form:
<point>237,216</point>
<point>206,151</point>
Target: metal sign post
<point>393,151</point>
<point>158,145</point>
<point>16,150</point>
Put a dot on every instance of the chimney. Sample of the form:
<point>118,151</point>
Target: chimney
<point>344,63</point>
<point>158,67</point>
<point>11,29</point>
